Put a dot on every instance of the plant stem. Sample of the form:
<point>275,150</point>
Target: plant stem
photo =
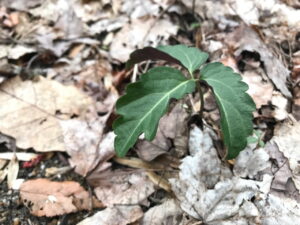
<point>200,94</point>
<point>201,98</point>
<point>192,75</point>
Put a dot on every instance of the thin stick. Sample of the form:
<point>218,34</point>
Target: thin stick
<point>134,75</point>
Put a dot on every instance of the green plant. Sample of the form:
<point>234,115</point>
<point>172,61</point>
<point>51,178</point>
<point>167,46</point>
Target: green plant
<point>146,101</point>
<point>256,138</point>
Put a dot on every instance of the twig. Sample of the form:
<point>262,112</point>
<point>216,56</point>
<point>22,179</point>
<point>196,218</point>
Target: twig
<point>134,75</point>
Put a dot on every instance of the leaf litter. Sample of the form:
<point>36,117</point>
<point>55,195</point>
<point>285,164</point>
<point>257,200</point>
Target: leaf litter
<point>208,191</point>
<point>48,198</point>
<point>31,108</point>
<point>83,59</point>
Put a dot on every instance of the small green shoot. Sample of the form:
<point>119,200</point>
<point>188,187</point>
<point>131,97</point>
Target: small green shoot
<point>256,138</point>
<point>147,100</point>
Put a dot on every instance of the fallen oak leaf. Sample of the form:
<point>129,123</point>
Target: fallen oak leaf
<point>30,111</point>
<point>50,198</point>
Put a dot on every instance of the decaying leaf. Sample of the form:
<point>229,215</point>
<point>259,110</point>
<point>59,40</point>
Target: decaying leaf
<point>49,198</point>
<point>118,215</point>
<point>135,9</point>
<point>30,112</point>
<point>287,137</point>
<point>251,11</point>
<point>280,104</point>
<point>249,162</point>
<point>168,212</point>
<point>171,126</point>
<point>138,34</point>
<point>149,150</point>
<point>282,184</point>
<point>248,40</point>
<point>260,91</point>
<point>21,5</point>
<point>123,187</point>
<point>208,191</point>
<point>15,52</point>
<point>86,144</point>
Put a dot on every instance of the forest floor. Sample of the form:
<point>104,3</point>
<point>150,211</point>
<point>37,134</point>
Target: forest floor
<point>62,69</point>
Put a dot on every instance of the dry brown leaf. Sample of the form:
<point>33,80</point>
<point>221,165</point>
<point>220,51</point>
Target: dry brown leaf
<point>86,146</point>
<point>93,10</point>
<point>171,126</point>
<point>20,4</point>
<point>50,198</point>
<point>15,52</point>
<point>30,112</point>
<point>123,187</point>
<point>247,40</point>
<point>250,11</point>
<point>135,9</point>
<point>149,150</point>
<point>282,184</point>
<point>72,30</point>
<point>280,104</point>
<point>140,33</point>
<point>85,141</point>
<point>207,189</point>
<point>118,215</point>
<point>168,212</point>
<point>259,90</point>
<point>287,137</point>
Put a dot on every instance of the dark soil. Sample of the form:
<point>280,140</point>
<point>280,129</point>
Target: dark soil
<point>12,211</point>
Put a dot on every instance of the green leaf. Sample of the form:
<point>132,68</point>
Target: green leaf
<point>145,102</point>
<point>261,143</point>
<point>191,58</point>
<point>258,133</point>
<point>235,105</point>
<point>252,140</point>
